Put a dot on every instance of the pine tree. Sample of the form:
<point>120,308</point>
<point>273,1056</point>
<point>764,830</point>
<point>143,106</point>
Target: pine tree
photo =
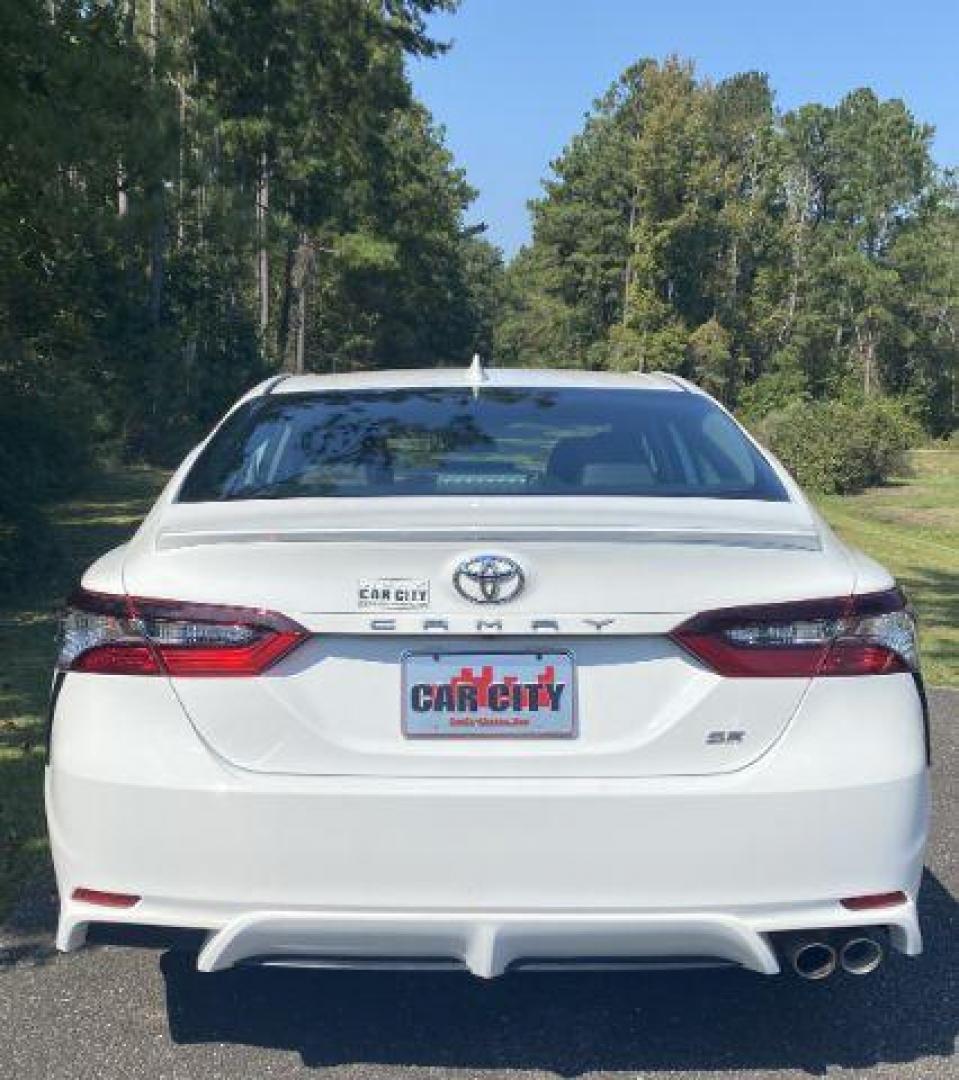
<point>689,227</point>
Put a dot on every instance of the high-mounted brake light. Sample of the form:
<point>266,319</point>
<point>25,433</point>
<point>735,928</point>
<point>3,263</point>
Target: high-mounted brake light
<point>872,634</point>
<point>117,635</point>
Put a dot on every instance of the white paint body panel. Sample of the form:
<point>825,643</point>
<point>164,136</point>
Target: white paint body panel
<point>289,817</point>
<point>136,803</point>
<point>644,708</point>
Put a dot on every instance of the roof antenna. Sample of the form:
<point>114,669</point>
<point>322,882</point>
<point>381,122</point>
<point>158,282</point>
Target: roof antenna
<point>476,374</point>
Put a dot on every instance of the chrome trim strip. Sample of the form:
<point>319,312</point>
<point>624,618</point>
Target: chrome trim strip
<point>798,541</point>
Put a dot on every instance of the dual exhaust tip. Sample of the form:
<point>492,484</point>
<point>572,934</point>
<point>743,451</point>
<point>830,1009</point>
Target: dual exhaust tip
<point>813,959</point>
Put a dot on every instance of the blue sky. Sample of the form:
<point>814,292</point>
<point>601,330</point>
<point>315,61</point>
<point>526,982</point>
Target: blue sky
<point>522,73</point>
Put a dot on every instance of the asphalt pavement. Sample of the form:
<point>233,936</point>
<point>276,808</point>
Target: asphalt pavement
<point>114,1013</point>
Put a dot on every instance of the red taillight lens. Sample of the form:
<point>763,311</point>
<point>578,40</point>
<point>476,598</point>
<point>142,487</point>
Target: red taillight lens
<point>123,658</point>
<point>875,900</point>
<point>135,636</point>
<point>873,634</point>
<point>105,899</point>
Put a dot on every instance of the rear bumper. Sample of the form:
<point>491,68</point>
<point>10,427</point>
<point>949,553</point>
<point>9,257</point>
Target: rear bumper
<point>488,943</point>
<point>490,877</point>
<point>491,871</point>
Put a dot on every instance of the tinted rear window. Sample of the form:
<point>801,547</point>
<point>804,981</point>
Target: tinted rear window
<point>503,441</point>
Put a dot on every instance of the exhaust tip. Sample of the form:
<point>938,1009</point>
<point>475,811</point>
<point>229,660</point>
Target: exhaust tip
<point>813,960</point>
<point>861,955</point>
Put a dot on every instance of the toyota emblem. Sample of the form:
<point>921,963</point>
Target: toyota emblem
<point>488,579</point>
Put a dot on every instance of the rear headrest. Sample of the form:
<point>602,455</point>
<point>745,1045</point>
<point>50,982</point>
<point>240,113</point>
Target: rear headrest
<point>608,459</point>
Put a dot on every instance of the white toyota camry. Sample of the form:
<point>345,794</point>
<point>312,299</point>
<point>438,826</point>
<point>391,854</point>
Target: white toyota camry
<point>490,670</point>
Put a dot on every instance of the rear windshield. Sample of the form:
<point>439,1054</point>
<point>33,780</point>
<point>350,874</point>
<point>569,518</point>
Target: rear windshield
<point>503,441</point>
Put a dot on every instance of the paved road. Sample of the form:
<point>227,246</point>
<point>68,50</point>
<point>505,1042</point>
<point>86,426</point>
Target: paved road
<point>121,1013</point>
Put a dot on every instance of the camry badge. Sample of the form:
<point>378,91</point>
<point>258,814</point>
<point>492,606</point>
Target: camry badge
<point>488,579</point>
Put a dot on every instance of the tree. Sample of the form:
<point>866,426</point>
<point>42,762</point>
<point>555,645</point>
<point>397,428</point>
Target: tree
<point>196,192</point>
<point>308,93</point>
<point>922,359</point>
<point>688,227</point>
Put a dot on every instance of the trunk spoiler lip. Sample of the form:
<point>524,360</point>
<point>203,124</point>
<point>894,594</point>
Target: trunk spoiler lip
<point>775,539</point>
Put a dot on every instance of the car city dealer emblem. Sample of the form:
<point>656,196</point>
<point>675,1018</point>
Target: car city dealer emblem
<point>488,579</point>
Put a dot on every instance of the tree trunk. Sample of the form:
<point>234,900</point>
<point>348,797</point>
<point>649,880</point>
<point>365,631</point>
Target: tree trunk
<point>152,44</point>
<point>129,26</point>
<point>300,264</point>
<point>628,273</point>
<point>263,253</point>
<point>867,347</point>
<point>158,209</point>
<point>303,275</point>
<point>734,275</point>
<point>181,158</point>
<point>869,365</point>
<point>123,199</point>
<point>299,360</point>
<point>286,305</point>
<point>157,255</point>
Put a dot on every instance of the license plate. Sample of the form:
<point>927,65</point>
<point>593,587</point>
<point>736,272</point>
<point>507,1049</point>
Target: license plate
<point>481,695</point>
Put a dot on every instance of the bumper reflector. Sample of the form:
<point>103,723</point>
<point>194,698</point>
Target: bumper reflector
<point>876,900</point>
<point>105,899</point>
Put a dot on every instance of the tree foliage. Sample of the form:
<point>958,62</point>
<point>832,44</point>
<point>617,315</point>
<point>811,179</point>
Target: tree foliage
<point>690,227</point>
<point>840,446</point>
<point>197,193</point>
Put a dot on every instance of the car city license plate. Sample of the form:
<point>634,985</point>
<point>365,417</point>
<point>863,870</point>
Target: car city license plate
<point>526,695</point>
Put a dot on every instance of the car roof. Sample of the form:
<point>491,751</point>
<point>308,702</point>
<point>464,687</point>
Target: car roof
<point>474,377</point>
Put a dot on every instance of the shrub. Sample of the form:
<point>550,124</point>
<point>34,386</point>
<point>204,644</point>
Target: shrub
<point>840,446</point>
<point>769,393</point>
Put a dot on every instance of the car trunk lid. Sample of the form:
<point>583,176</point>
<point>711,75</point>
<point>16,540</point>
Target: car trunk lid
<point>605,595</point>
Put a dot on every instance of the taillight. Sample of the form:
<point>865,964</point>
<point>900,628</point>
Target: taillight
<point>872,634</point>
<point>105,899</point>
<point>873,900</point>
<point>117,635</point>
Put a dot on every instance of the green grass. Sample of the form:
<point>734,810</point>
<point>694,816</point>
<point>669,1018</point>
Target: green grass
<point>85,528</point>
<point>911,526</point>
